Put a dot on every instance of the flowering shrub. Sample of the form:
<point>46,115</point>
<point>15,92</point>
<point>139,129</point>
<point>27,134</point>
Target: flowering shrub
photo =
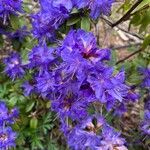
<point>61,86</point>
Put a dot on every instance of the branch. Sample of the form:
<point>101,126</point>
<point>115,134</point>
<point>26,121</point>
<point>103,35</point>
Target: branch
<point>129,56</point>
<point>128,14</point>
<point>125,46</point>
<point>111,25</point>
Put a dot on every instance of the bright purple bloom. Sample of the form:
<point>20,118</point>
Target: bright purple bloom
<point>86,134</point>
<point>107,86</point>
<point>45,83</point>
<point>28,88</point>
<point>43,26</point>
<point>3,113</point>
<point>48,20</point>
<point>7,138</point>
<point>95,134</point>
<point>8,7</point>
<point>97,7</point>
<point>49,5</point>
<point>41,56</point>
<point>79,51</point>
<point>13,66</point>
<point>84,43</point>
<point>111,140</point>
<point>75,65</point>
<point>7,116</point>
<point>71,106</point>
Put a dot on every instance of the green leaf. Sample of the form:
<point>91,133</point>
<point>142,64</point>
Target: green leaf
<point>146,42</point>
<point>136,20</point>
<point>14,22</point>
<point>12,101</point>
<point>145,21</point>
<point>134,78</point>
<point>143,4</point>
<point>85,23</point>
<point>73,21</point>
<point>33,123</point>
<point>30,106</point>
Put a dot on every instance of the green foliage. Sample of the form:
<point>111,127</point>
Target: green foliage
<point>37,125</point>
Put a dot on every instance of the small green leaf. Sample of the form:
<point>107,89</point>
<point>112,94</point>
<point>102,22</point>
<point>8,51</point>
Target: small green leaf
<point>146,42</point>
<point>33,123</point>
<point>136,20</point>
<point>143,4</point>
<point>85,23</point>
<point>14,22</point>
<point>73,21</point>
<point>12,101</point>
<point>30,106</point>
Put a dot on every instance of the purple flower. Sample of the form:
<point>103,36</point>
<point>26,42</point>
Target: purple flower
<point>28,88</point>
<point>43,26</point>
<point>95,134</point>
<point>111,140</point>
<point>84,43</point>
<point>3,112</point>
<point>97,7</point>
<point>45,83</point>
<point>79,51</point>
<point>8,7</point>
<point>13,66</point>
<point>7,116</point>
<point>48,20</point>
<point>86,134</point>
<point>106,85</point>
<point>75,65</point>
<point>41,56</point>
<point>7,138</point>
<point>71,106</point>
<point>49,5</point>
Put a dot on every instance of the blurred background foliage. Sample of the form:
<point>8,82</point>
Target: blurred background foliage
<point>38,126</point>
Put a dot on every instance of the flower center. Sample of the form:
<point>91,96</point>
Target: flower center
<point>3,137</point>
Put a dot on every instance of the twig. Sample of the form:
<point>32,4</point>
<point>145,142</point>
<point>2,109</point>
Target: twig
<point>128,14</point>
<point>119,28</point>
<point>125,46</point>
<point>129,56</point>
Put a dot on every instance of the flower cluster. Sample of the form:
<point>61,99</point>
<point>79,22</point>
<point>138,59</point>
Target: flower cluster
<point>74,76</point>
<point>7,135</point>
<point>95,134</point>
<point>53,13</point>
<point>8,7</point>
